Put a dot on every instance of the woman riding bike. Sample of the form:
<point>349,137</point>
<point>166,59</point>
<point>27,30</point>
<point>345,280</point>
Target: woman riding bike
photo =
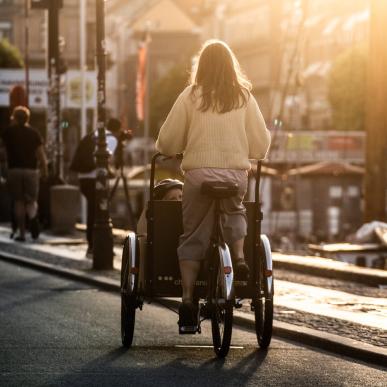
<point>217,125</point>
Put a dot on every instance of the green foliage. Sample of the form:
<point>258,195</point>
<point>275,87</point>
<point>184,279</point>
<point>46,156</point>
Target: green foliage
<point>347,89</point>
<point>10,56</point>
<point>164,94</point>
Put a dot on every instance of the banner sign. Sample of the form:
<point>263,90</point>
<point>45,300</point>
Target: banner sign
<point>315,146</point>
<point>70,87</point>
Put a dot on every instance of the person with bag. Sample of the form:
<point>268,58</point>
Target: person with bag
<point>84,163</point>
<point>217,125</point>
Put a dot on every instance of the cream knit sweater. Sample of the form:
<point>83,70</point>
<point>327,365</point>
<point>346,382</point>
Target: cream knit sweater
<point>213,140</point>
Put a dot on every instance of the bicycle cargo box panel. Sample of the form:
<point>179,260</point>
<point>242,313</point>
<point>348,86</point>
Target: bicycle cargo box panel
<point>168,227</point>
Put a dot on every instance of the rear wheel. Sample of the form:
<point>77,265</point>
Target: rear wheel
<point>263,303</point>
<point>221,312</point>
<point>128,294</point>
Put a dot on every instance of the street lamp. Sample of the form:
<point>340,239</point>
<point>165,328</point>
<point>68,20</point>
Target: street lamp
<point>103,236</point>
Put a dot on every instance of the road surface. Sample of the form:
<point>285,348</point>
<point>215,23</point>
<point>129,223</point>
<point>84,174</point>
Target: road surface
<point>57,332</point>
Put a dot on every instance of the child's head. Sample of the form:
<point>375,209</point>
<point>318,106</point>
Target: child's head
<point>168,189</point>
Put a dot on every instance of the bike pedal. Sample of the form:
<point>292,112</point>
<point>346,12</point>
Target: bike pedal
<point>188,330</point>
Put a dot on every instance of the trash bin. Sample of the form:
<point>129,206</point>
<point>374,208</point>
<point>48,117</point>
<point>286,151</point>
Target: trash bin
<point>64,208</point>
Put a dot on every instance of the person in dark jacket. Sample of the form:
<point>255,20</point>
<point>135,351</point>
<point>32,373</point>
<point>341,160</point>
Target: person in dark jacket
<point>84,163</point>
<point>25,152</point>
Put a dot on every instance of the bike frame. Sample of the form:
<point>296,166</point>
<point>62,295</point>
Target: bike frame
<point>218,243</point>
<point>257,227</point>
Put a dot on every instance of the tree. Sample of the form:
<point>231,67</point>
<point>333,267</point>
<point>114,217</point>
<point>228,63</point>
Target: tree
<point>164,94</point>
<point>10,56</point>
<point>347,89</point>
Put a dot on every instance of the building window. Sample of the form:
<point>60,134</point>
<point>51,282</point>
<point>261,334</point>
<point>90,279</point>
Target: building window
<point>5,29</point>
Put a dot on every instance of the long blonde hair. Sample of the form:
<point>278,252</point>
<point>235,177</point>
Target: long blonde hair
<point>218,76</point>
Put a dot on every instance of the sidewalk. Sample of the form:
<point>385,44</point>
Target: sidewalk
<point>318,306</point>
<point>330,268</point>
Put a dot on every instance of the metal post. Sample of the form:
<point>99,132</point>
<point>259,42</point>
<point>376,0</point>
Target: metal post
<point>82,65</point>
<point>103,236</point>
<point>147,112</point>
<point>54,81</point>
<point>26,51</point>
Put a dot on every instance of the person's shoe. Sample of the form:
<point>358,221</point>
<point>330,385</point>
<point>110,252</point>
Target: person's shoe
<point>242,270</point>
<point>20,239</point>
<point>89,253</point>
<point>188,318</point>
<point>34,227</point>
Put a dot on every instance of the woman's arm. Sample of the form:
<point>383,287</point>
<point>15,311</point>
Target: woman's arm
<point>172,137</point>
<point>258,136</point>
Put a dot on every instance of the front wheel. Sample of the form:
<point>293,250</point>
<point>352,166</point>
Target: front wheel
<point>129,280</point>
<point>263,302</point>
<point>221,309</point>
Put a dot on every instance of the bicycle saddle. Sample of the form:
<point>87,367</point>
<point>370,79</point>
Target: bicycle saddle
<point>219,189</point>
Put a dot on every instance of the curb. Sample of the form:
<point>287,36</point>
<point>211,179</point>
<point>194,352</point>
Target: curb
<point>354,274</point>
<point>319,339</point>
<point>323,340</point>
<point>96,280</point>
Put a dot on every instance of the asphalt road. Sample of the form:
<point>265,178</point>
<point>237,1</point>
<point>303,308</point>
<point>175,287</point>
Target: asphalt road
<point>56,332</point>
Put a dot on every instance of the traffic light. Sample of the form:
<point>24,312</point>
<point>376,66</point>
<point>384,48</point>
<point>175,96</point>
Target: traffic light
<point>65,123</point>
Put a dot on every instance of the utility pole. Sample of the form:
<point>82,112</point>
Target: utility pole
<point>376,116</point>
<point>26,51</point>
<point>103,235</point>
<point>54,134</point>
<point>54,81</point>
<point>147,43</point>
<point>82,66</point>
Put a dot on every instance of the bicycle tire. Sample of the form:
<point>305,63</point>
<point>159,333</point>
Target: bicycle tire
<point>128,300</point>
<point>263,303</point>
<point>221,312</point>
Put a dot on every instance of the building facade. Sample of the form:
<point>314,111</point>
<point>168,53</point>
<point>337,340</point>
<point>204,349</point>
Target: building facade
<point>172,39</point>
<point>13,22</point>
<point>287,49</point>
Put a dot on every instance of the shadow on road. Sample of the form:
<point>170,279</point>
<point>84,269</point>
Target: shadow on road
<point>159,366</point>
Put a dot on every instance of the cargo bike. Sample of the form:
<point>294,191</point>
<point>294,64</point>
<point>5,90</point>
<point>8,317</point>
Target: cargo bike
<point>153,274</point>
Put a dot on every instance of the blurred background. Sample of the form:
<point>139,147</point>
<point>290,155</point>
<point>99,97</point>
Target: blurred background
<point>308,62</point>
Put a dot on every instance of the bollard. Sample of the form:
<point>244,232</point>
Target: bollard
<point>65,208</point>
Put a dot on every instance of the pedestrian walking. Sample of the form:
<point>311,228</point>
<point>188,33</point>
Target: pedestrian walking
<point>25,151</point>
<point>84,163</point>
<point>217,125</point>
